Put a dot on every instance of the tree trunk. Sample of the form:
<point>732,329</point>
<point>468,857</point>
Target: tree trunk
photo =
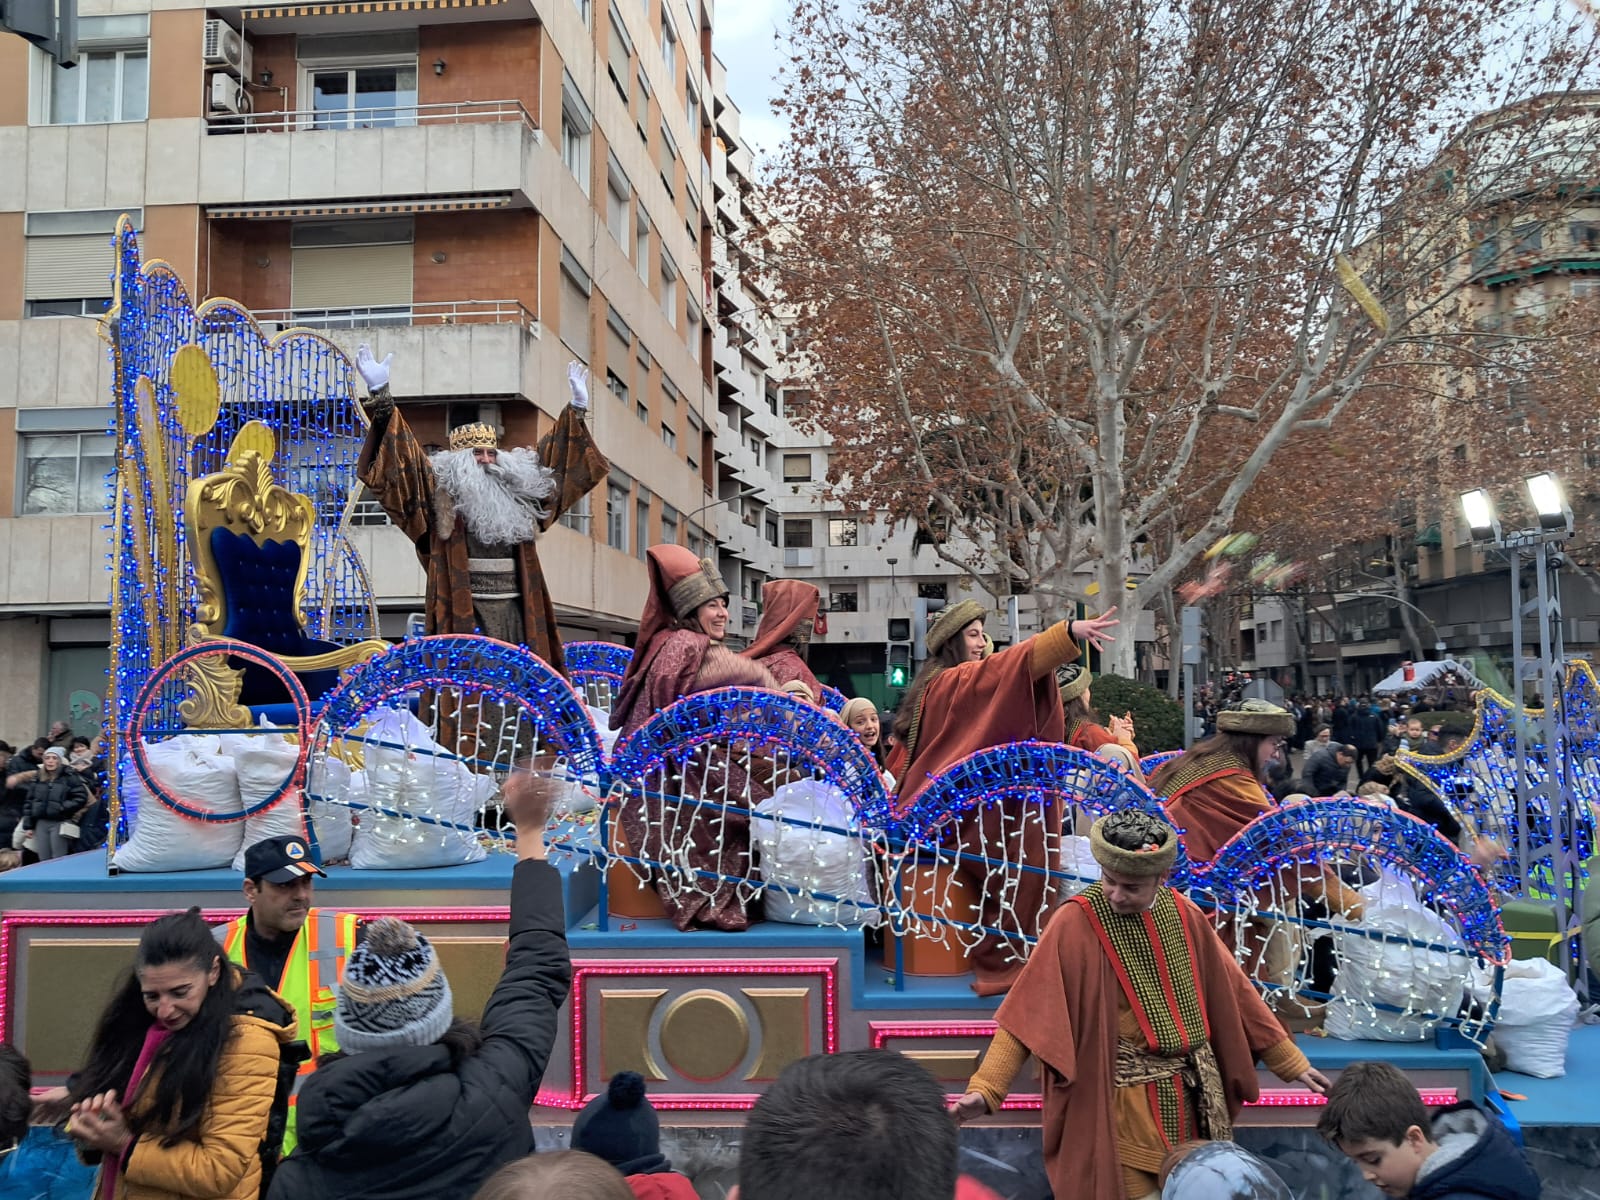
<point>1403,594</point>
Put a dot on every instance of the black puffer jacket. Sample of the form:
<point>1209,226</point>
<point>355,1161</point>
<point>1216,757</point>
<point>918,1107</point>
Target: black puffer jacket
<point>55,799</point>
<point>403,1124</point>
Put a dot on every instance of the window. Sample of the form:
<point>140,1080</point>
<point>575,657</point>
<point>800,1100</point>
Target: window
<point>642,411</point>
<point>669,290</point>
<point>349,273</point>
<point>797,469</point>
<point>69,261</point>
<point>692,331</point>
<point>1585,289</point>
<point>842,531</point>
<point>574,305</point>
<point>772,531</point>
<point>642,114</point>
<point>670,526</point>
<point>65,473</point>
<point>576,123</point>
<point>579,515</point>
<point>619,50</point>
<point>1586,235</point>
<point>618,193</point>
<point>669,45</point>
<point>691,104</point>
<point>668,160</point>
<point>797,535</point>
<point>698,542</point>
<point>669,437</point>
<point>641,245</point>
<point>641,524</point>
<point>1530,237</point>
<point>933,591</point>
<point>83,306</point>
<point>844,601</point>
<point>618,386</point>
<point>583,10</point>
<point>617,514</point>
<point>364,97</point>
<point>112,79</point>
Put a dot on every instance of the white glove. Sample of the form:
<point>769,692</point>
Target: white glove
<point>374,372</point>
<point>578,381</point>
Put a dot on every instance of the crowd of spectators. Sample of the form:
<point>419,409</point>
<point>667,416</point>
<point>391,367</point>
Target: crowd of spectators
<point>51,797</point>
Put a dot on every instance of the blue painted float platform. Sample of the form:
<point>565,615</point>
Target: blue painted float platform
<point>707,1017</point>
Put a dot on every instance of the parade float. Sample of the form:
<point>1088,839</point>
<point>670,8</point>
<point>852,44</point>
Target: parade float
<point>250,695</point>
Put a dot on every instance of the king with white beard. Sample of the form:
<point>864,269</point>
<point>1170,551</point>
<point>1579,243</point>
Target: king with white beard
<point>475,511</point>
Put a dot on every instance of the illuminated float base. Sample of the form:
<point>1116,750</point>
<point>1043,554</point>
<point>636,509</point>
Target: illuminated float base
<point>708,1018</point>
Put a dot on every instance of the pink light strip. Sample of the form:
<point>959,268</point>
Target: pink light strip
<point>576,1097</point>
<point>12,923</point>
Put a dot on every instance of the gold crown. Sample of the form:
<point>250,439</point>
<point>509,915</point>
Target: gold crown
<point>476,436</point>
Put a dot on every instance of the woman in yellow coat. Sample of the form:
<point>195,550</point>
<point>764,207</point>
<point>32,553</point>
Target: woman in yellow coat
<point>182,1073</point>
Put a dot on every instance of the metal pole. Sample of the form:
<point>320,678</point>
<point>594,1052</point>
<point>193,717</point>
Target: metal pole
<point>1188,705</point>
<point>1519,714</point>
<point>1556,791</point>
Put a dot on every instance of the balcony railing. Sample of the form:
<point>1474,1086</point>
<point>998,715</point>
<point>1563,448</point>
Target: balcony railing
<point>444,312</point>
<point>461,112</point>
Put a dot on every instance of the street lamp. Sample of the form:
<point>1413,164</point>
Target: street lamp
<point>1544,490</point>
<point>1552,791</point>
<point>1478,508</point>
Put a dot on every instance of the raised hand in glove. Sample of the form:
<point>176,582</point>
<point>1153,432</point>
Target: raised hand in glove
<point>578,381</point>
<point>374,372</point>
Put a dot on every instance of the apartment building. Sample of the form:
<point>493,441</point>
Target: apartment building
<point>486,189</point>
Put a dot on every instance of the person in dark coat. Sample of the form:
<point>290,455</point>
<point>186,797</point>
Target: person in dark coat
<point>57,796</point>
<point>1366,735</point>
<point>1327,771</point>
<point>1375,1116</point>
<point>418,1106</point>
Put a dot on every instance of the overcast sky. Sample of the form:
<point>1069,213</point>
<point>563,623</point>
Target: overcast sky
<point>744,37</point>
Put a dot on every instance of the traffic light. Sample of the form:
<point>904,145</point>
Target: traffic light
<point>52,25</point>
<point>899,657</point>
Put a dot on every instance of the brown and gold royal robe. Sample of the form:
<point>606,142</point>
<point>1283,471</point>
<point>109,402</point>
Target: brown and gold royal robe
<point>394,465</point>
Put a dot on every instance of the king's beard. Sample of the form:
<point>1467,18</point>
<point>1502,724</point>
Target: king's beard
<point>500,502</point>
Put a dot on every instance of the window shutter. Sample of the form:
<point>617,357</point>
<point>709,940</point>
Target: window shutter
<point>351,276</point>
<point>617,57</point>
<point>70,267</point>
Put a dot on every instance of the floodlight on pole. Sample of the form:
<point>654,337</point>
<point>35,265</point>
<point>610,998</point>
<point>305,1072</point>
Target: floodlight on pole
<point>1478,508</point>
<point>1544,492</point>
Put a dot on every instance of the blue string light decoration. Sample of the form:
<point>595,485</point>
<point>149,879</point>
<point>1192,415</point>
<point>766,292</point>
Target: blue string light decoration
<point>1021,774</point>
<point>1313,832</point>
<point>833,699</point>
<point>148,704</point>
<point>597,669</point>
<point>1478,779</point>
<point>812,739</point>
<point>1151,763</point>
<point>299,385</point>
<point>474,665</point>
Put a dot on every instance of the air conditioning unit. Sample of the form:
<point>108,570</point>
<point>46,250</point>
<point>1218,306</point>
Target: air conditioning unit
<point>227,48</point>
<point>228,95</point>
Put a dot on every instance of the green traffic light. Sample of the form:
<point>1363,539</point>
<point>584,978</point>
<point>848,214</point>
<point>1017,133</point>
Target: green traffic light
<point>897,677</point>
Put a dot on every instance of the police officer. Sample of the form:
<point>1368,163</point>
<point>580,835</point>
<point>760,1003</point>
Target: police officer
<point>298,949</point>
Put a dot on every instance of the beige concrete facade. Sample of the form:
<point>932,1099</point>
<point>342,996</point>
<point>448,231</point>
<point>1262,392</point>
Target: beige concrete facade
<point>515,103</point>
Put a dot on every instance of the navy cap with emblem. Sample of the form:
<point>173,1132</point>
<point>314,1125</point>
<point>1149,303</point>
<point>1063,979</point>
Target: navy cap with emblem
<point>280,860</point>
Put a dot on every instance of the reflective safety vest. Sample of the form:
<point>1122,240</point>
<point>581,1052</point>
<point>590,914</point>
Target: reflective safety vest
<point>315,964</point>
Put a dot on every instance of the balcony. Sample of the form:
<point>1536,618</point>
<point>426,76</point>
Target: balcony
<point>422,158</point>
<point>448,312</point>
<point>445,349</point>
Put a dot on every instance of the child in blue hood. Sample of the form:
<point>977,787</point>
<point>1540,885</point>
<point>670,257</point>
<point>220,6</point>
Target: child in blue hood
<point>1376,1117</point>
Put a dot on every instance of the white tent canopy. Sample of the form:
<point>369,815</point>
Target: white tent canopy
<point>1424,674</point>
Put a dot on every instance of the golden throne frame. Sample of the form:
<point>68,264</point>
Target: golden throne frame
<point>263,531</point>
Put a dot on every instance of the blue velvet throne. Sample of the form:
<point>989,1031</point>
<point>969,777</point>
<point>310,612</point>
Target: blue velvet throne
<point>250,541</point>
